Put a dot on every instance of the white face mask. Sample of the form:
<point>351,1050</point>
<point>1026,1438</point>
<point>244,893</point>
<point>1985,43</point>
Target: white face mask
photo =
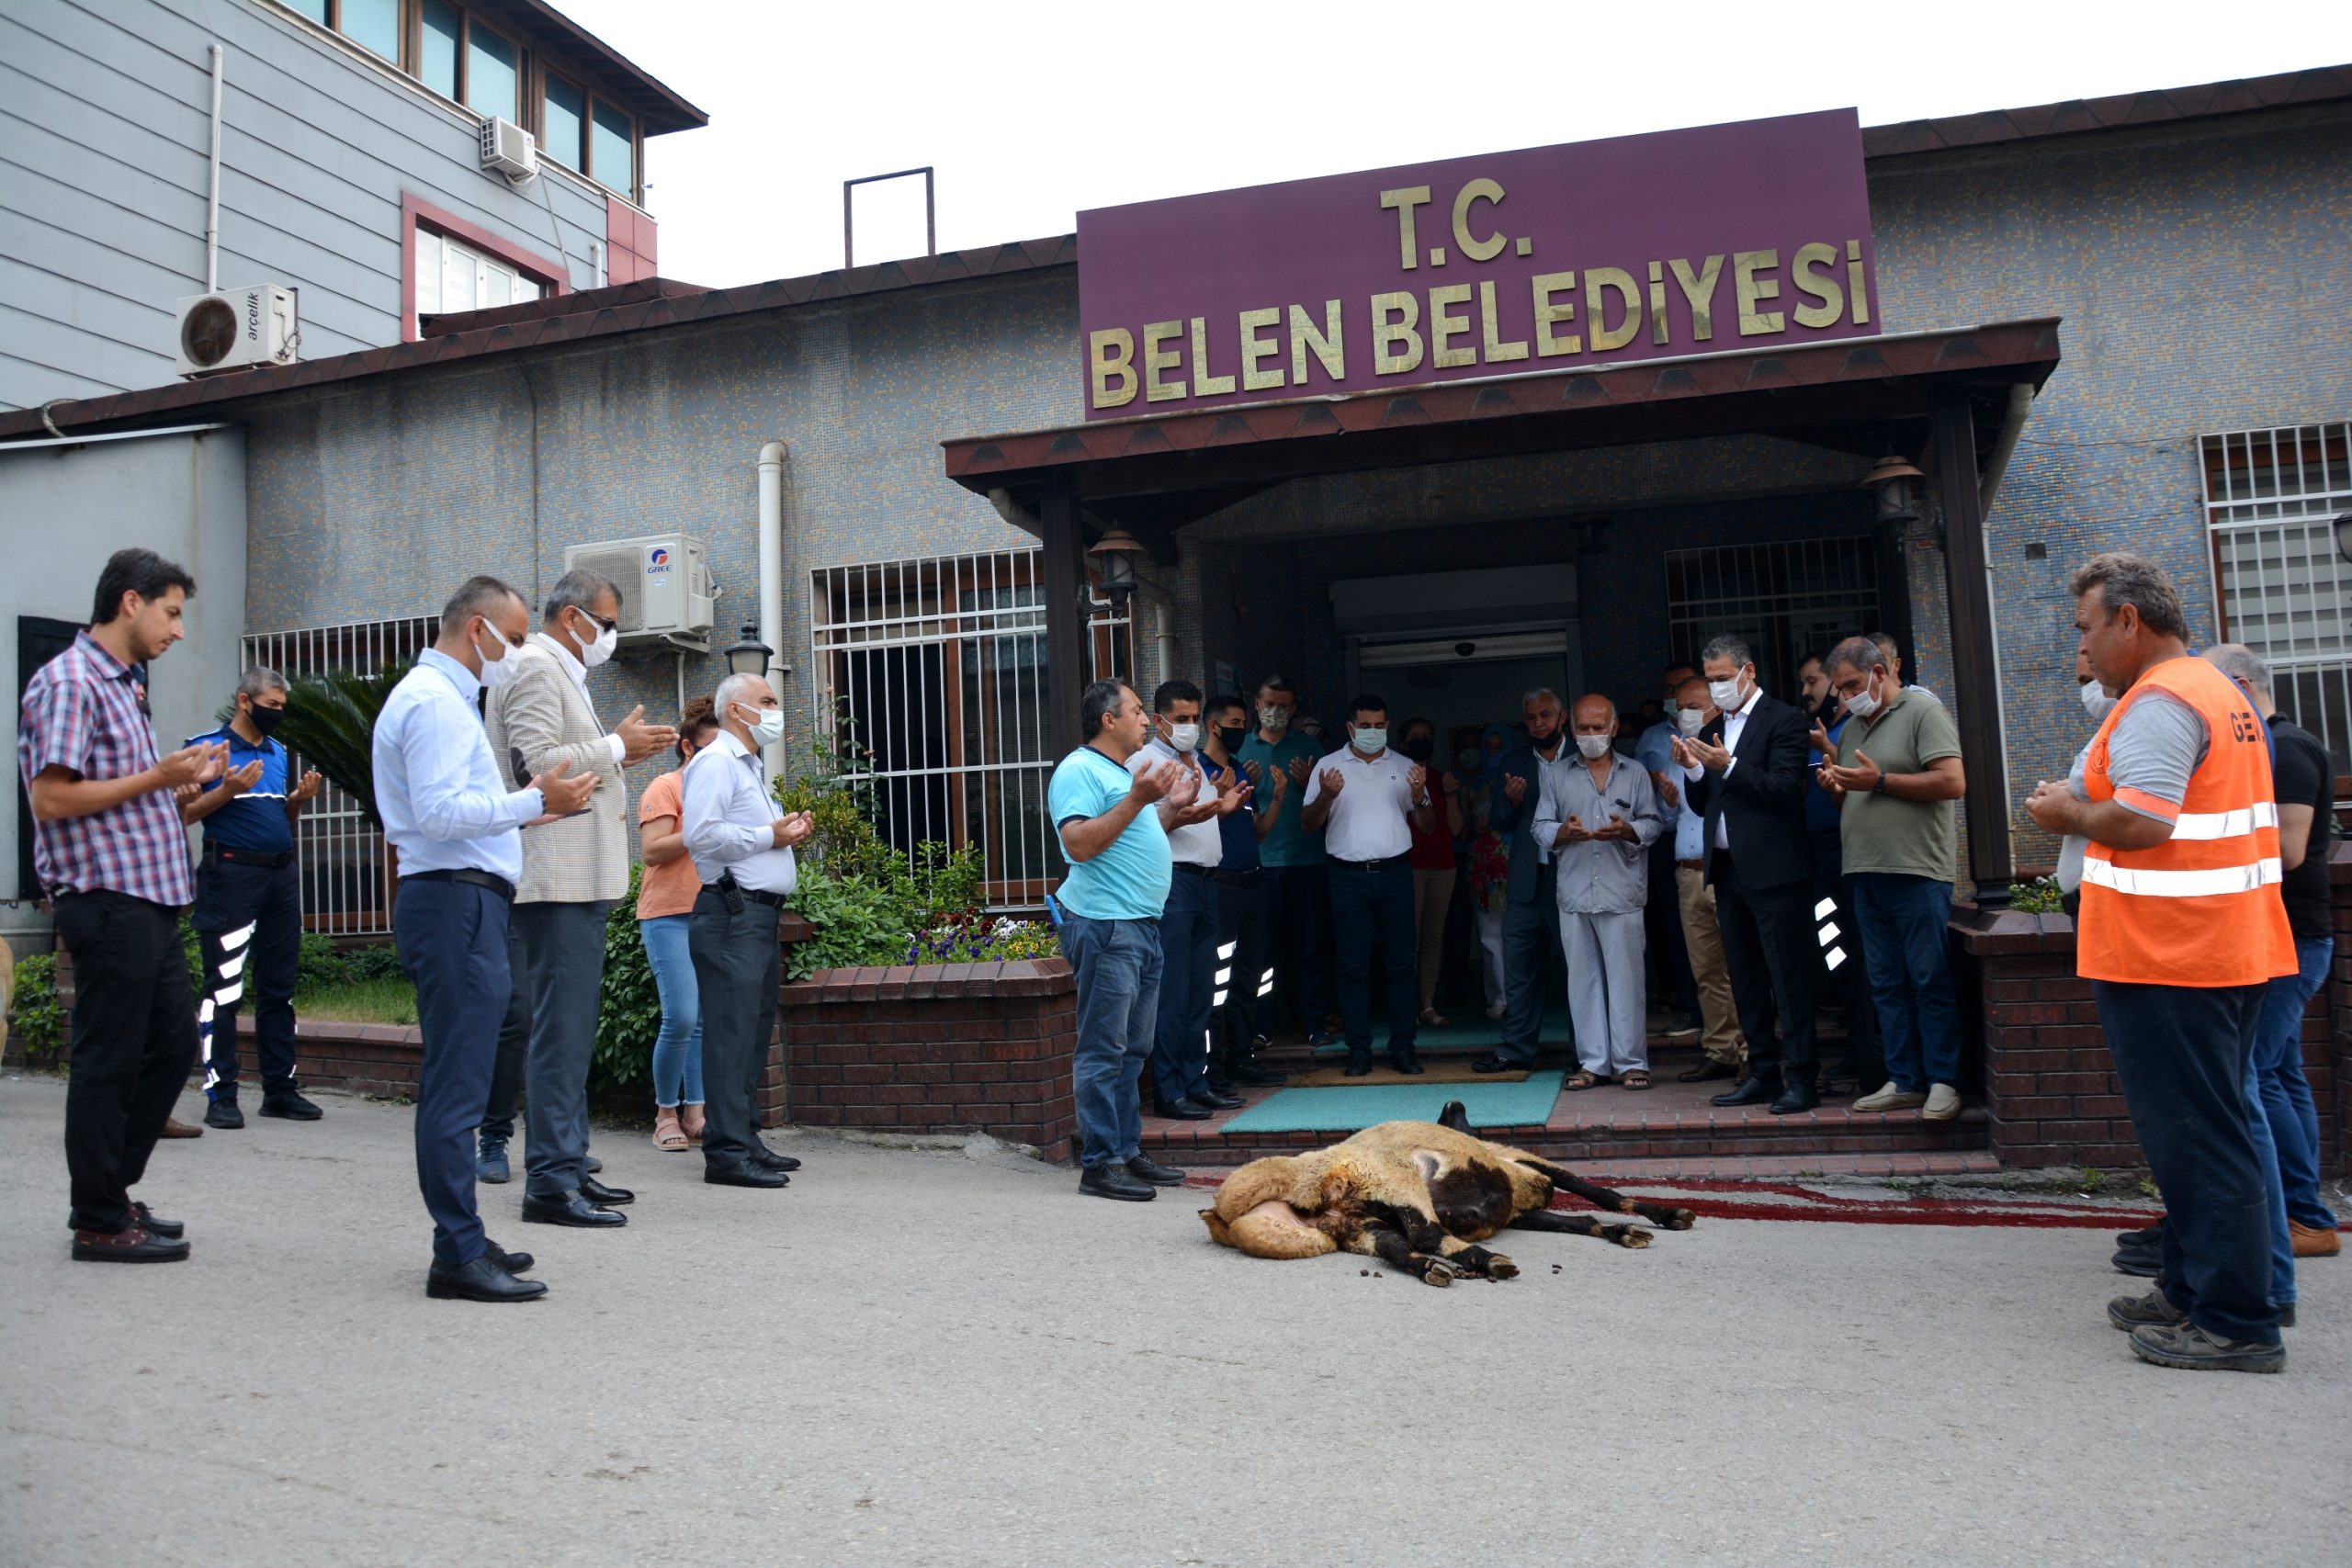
<point>1725,694</point>
<point>1272,719</point>
<point>494,671</point>
<point>1371,738</point>
<point>595,653</point>
<point>1184,737</point>
<point>1690,720</point>
<point>2095,702</point>
<point>1594,746</point>
<point>767,725</point>
<point>1863,703</point>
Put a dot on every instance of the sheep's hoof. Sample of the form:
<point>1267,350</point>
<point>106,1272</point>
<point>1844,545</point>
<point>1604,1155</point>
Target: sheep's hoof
<point>1440,1273</point>
<point>1681,1220</point>
<point>1502,1267</point>
<point>1632,1236</point>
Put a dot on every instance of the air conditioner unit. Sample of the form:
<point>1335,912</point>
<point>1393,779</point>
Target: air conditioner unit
<point>664,579</point>
<point>507,149</point>
<point>237,327</point>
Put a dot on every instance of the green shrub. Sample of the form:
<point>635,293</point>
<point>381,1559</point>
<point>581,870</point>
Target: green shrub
<point>36,1018</point>
<point>321,966</point>
<point>629,1012</point>
<point>2038,896</point>
<point>363,966</point>
<point>857,921</point>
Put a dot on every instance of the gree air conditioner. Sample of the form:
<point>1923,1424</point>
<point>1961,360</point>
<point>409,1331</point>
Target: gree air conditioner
<point>235,329</point>
<point>507,149</point>
<point>665,587</point>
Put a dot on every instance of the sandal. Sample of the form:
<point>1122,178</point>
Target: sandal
<point>690,1122</point>
<point>1636,1079</point>
<point>1580,1080</point>
<point>668,1136</point>
<point>1432,1019</point>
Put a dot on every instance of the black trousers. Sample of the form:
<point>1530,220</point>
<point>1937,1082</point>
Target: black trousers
<point>1241,925</point>
<point>738,968</point>
<point>514,1046</point>
<point>1769,947</point>
<point>133,1041</point>
<point>1865,1057</point>
<point>252,913</point>
<point>452,939</point>
<point>2182,1053</point>
<point>1369,905</point>
<point>1531,946</point>
<point>1298,942</point>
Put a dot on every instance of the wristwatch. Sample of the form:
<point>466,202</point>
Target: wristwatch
<point>1878,785</point>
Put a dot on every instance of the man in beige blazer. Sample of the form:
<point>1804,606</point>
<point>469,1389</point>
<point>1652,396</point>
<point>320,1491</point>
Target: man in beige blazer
<point>573,871</point>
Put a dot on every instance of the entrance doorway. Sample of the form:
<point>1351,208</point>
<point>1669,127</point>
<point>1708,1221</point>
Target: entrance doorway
<point>1463,685</point>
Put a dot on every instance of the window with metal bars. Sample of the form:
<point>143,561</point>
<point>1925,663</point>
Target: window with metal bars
<point>2284,589</point>
<point>1785,600</point>
<point>932,670</point>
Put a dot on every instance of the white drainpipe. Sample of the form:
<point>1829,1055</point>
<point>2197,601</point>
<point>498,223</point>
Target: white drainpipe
<point>1163,637</point>
<point>212,196</point>
<point>772,457</point>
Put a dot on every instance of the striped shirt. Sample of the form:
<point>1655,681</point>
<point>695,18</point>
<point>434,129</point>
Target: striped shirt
<point>81,711</point>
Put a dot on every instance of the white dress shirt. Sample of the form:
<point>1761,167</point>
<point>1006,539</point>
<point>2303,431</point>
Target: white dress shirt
<point>441,793</point>
<point>1735,725</point>
<point>1195,844</point>
<point>1367,820</point>
<point>579,673</point>
<point>729,818</point>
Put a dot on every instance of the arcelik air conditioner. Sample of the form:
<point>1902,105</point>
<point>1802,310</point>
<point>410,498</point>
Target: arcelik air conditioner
<point>508,148</point>
<point>665,581</point>
<point>238,328</point>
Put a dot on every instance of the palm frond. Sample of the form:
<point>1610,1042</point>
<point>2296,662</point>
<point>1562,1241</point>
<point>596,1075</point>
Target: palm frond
<point>330,724</point>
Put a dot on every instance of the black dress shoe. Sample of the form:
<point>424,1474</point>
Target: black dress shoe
<point>1760,1089</point>
<point>141,1216</point>
<point>132,1244</point>
<point>2137,1262</point>
<point>1256,1077</point>
<point>1707,1071</point>
<point>1498,1064</point>
<point>763,1155</point>
<point>1220,1081</point>
<point>1143,1167</point>
<point>1358,1065</point>
<point>605,1197</point>
<point>290,1106</point>
<point>1112,1181</point>
<point>224,1114</point>
<point>1184,1110</point>
<point>571,1208</point>
<point>1406,1064</point>
<point>481,1280</point>
<point>1220,1099</point>
<point>1794,1097</point>
<point>2151,1238</point>
<point>513,1262</point>
<point>747,1174</point>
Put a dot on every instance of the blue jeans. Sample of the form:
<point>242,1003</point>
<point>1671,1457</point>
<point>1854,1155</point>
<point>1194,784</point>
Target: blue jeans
<point>1904,923</point>
<point>677,1050</point>
<point>1117,965</point>
<point>1180,1049</point>
<point>2286,1094</point>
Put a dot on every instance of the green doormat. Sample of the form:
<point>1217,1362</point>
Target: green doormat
<point>1469,1029</point>
<point>1352,1109</point>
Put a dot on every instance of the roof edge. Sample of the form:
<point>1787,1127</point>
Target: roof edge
<point>2122,111</point>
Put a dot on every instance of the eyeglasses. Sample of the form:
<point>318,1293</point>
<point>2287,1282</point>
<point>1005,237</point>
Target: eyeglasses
<point>612,625</point>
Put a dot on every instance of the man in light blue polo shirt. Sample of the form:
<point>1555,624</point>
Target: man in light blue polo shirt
<point>1119,874</point>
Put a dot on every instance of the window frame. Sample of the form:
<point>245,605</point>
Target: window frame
<point>416,214</point>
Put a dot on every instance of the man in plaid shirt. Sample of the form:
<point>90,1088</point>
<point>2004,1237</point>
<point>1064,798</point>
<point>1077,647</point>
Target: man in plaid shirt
<point>113,860</point>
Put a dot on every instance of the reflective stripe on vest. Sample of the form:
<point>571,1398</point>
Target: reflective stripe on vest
<point>2210,825</point>
<point>2149,884</point>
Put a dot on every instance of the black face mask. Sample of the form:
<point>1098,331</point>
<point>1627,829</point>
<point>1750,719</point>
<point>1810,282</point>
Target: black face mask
<point>1230,737</point>
<point>1420,750</point>
<point>1825,710</point>
<point>265,720</point>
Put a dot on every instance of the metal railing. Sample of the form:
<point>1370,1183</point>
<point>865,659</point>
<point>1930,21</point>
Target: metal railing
<point>934,669</point>
<point>2271,499</point>
<point>1785,598</point>
<point>346,875</point>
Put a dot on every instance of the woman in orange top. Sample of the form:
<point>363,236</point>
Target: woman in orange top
<point>665,899</point>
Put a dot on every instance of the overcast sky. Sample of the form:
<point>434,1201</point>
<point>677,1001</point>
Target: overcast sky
<point>1031,111</point>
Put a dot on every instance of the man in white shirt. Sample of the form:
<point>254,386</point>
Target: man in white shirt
<point>1180,1045</point>
<point>449,814</point>
<point>1359,798</point>
<point>740,842</point>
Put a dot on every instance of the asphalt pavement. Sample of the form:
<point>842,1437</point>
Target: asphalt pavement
<point>937,1358</point>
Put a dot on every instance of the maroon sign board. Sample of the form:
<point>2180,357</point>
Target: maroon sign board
<point>1703,241</point>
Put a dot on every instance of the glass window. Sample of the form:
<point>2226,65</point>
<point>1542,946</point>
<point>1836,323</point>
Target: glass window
<point>616,162</point>
<point>437,64</point>
<point>375,25</point>
<point>428,273</point>
<point>314,10</point>
<point>452,276</point>
<point>460,277</point>
<point>493,72</point>
<point>567,120</point>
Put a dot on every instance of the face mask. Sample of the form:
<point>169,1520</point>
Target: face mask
<point>1863,703</point>
<point>1468,759</point>
<point>494,671</point>
<point>1184,737</point>
<point>1371,738</point>
<point>1420,750</point>
<point>595,653</point>
<point>1230,737</point>
<point>1725,694</point>
<point>1594,746</point>
<point>1272,719</point>
<point>1690,720</point>
<point>265,720</point>
<point>2095,702</point>
<point>767,728</point>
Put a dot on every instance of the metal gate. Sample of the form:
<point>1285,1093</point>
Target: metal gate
<point>346,875</point>
<point>932,670</point>
<point>1784,599</point>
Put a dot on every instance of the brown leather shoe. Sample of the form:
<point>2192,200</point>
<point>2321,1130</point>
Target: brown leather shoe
<point>2309,1241</point>
<point>176,1128</point>
<point>1707,1071</point>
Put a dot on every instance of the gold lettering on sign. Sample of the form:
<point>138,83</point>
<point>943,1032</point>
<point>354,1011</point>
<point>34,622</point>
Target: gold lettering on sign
<point>1748,288</point>
<point>1445,328</point>
<point>1854,283</point>
<point>1700,292</point>
<point>1492,245</point>
<point>1329,348</point>
<point>1596,311</point>
<point>1204,384</point>
<point>1496,350</point>
<point>1548,345</point>
<point>1807,270</point>
<point>1112,354</point>
<point>1255,348</point>
<point>1386,333</point>
<point>1404,199</point>
<point>1657,302</point>
<point>1156,391</point>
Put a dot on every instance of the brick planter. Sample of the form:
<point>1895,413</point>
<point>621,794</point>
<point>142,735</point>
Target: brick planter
<point>936,1048</point>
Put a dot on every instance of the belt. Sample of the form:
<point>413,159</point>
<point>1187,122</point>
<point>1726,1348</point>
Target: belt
<point>1244,876</point>
<point>468,876</point>
<point>267,859</point>
<point>1389,863</point>
<point>1691,865</point>
<point>756,895</point>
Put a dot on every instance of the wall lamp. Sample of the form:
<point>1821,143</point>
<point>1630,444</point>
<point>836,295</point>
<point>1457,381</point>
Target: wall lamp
<point>1891,479</point>
<point>1114,556</point>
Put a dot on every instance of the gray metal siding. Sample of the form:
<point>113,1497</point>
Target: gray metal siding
<point>104,121</point>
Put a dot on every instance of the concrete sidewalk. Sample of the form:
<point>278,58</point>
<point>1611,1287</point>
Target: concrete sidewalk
<point>913,1358</point>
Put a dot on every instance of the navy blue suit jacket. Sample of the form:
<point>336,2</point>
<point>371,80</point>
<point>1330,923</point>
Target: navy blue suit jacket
<point>1519,821</point>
